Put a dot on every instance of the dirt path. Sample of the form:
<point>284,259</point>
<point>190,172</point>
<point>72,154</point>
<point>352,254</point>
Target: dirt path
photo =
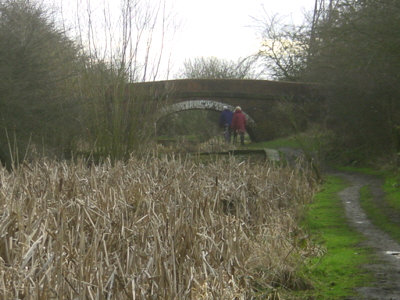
<point>387,265</point>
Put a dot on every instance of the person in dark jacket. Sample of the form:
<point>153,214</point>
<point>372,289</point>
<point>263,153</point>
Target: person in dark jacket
<point>238,125</point>
<point>225,121</point>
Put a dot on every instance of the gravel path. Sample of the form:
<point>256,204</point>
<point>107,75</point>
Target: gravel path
<point>386,266</point>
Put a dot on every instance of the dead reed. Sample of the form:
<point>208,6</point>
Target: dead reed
<point>151,228</point>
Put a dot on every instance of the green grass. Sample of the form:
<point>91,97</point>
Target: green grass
<point>391,184</point>
<point>378,214</point>
<point>392,190</point>
<point>306,142</point>
<point>365,170</point>
<point>337,272</point>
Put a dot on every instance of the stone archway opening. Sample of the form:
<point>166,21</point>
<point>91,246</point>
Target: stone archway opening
<point>203,104</point>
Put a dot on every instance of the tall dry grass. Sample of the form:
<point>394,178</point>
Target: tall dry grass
<point>152,228</point>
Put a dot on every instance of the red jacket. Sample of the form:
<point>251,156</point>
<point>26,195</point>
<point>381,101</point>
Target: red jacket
<point>239,121</point>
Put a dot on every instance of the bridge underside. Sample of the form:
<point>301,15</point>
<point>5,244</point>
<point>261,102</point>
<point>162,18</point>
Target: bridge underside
<point>205,105</point>
<point>261,100</point>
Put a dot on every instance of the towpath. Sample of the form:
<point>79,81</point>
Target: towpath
<point>386,266</point>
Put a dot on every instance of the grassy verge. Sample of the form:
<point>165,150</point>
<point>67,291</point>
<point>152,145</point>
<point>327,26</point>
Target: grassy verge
<point>392,190</point>
<point>336,273</point>
<point>382,216</point>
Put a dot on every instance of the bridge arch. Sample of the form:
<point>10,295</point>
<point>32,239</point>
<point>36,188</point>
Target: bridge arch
<point>204,104</point>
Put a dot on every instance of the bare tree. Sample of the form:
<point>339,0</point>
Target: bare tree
<point>133,49</point>
<point>284,48</point>
<point>132,40</point>
<point>215,68</point>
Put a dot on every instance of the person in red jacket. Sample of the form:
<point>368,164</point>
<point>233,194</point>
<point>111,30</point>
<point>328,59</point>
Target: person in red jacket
<point>238,125</point>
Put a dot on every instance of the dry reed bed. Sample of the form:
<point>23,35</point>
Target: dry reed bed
<point>154,228</point>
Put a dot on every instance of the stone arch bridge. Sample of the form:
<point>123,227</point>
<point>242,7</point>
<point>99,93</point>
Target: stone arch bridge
<point>257,98</point>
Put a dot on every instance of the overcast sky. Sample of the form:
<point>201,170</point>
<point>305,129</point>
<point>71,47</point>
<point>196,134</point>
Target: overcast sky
<point>220,28</point>
<point>226,28</point>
